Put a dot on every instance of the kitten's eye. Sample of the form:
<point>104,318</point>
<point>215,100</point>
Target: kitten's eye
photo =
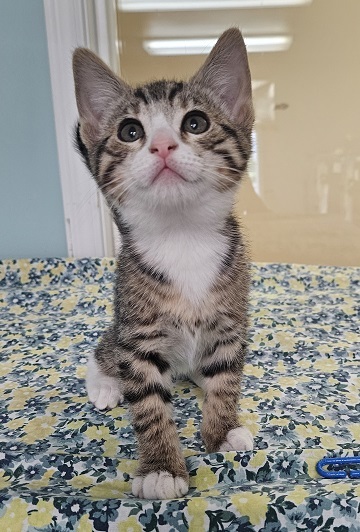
<point>130,130</point>
<point>195,122</point>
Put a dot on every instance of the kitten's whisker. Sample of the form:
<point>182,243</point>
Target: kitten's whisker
<point>216,165</point>
<point>115,193</point>
<point>222,168</point>
<point>125,187</point>
<point>219,176</point>
<point>216,176</point>
<point>88,195</point>
<point>213,169</point>
<point>81,210</point>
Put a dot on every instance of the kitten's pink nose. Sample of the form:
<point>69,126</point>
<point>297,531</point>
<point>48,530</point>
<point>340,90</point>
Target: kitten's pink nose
<point>163,145</point>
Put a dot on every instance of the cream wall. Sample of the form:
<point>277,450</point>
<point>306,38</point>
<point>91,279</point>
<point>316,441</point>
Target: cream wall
<point>319,77</point>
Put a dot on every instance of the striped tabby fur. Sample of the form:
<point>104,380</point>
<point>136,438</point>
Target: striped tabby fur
<point>182,281</point>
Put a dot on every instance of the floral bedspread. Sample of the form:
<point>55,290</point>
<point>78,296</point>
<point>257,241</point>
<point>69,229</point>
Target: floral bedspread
<point>65,466</point>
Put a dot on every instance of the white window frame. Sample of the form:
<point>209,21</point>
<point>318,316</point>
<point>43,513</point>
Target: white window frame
<point>92,24</point>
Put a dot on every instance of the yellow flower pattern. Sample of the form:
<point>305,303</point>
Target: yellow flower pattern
<point>252,505</point>
<point>65,466</point>
<point>42,515</point>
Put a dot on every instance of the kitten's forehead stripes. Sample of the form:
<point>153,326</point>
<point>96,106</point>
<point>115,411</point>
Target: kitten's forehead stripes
<point>139,93</point>
<point>158,91</point>
<point>177,87</point>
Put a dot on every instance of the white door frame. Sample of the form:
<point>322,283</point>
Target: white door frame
<point>92,24</point>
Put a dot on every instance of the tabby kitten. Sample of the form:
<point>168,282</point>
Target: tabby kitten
<point>168,157</point>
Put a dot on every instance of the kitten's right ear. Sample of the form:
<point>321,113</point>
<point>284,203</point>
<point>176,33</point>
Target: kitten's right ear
<point>226,72</point>
<point>96,89</point>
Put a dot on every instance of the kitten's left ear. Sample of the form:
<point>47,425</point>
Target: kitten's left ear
<point>97,88</point>
<point>226,72</point>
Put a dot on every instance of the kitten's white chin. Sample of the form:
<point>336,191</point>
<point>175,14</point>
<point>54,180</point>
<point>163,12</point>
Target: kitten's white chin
<point>168,191</point>
<point>167,176</point>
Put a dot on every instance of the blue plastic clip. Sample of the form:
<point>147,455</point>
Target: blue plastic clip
<point>344,462</point>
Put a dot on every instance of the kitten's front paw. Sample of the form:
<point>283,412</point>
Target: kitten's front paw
<point>239,439</point>
<point>159,485</point>
<point>103,391</point>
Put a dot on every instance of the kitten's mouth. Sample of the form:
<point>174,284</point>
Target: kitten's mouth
<point>167,175</point>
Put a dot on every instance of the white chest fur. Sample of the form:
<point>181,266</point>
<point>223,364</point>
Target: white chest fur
<point>187,249</point>
<point>190,259</point>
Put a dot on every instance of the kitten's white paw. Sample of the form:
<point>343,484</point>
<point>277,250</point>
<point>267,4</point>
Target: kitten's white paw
<point>103,391</point>
<point>239,439</point>
<point>159,485</point>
